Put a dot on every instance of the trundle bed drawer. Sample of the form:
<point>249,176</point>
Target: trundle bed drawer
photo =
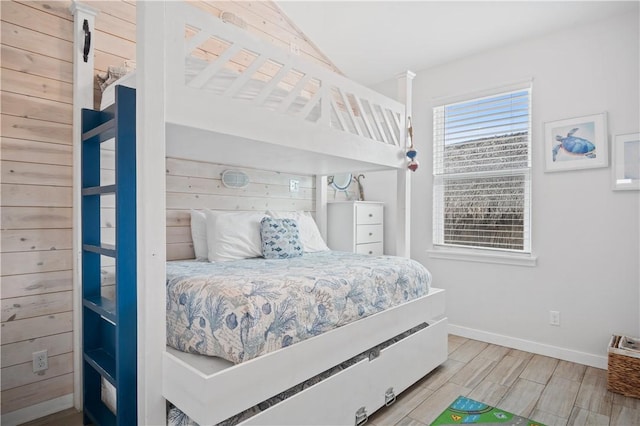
<point>402,364</point>
<point>334,401</point>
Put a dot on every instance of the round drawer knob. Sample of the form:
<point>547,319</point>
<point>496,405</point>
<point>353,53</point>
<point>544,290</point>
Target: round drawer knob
<point>370,252</point>
<point>370,214</point>
<point>370,233</point>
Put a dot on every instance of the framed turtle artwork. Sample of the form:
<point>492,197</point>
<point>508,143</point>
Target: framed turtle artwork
<point>626,161</point>
<point>576,143</point>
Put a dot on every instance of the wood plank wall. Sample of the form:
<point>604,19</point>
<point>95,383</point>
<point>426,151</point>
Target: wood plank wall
<point>36,177</point>
<point>36,236</point>
<point>198,185</point>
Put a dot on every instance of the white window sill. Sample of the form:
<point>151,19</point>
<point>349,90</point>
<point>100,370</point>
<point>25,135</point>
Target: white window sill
<point>471,255</point>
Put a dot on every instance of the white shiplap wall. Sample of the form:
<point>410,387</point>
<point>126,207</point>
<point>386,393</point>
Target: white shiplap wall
<point>198,185</point>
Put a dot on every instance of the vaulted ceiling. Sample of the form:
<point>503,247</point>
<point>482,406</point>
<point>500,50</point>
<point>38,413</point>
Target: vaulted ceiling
<point>372,41</point>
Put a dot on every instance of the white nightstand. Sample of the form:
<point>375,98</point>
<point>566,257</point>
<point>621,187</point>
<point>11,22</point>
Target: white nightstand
<point>356,226</point>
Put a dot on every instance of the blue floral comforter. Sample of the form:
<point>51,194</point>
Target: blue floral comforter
<point>239,310</point>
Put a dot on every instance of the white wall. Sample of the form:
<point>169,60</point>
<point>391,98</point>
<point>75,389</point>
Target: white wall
<point>585,235</point>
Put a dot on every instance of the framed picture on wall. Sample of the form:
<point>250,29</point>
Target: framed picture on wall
<point>626,161</point>
<point>576,143</point>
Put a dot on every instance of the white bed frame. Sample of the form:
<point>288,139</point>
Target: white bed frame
<point>179,118</point>
<point>207,388</point>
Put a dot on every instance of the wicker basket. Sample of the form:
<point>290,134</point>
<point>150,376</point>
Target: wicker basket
<point>623,374</point>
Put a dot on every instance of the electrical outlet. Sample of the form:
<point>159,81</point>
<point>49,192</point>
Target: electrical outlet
<point>294,185</point>
<point>40,361</point>
<point>554,318</point>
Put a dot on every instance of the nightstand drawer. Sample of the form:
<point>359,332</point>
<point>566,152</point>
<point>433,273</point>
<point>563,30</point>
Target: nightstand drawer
<point>369,234</point>
<point>368,213</point>
<point>374,249</point>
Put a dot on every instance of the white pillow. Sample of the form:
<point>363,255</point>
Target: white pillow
<point>233,235</point>
<point>199,234</point>
<point>309,233</point>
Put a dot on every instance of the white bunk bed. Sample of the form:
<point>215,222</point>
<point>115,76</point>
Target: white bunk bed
<point>305,120</point>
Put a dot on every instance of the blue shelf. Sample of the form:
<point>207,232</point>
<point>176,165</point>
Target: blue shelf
<point>103,249</point>
<point>103,132</point>
<point>101,306</point>
<point>103,363</point>
<point>99,190</point>
<point>99,414</point>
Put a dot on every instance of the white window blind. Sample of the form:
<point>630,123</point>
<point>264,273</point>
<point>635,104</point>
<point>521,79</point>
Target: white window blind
<point>482,172</point>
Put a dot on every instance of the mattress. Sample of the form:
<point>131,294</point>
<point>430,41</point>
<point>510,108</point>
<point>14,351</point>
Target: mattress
<point>239,310</point>
<point>109,94</point>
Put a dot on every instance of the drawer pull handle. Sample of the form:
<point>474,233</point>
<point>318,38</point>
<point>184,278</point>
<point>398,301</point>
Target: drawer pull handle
<point>389,397</point>
<point>370,214</point>
<point>370,233</point>
<point>361,416</point>
<point>370,252</point>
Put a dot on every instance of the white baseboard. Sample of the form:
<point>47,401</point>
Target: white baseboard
<point>36,411</point>
<point>584,358</point>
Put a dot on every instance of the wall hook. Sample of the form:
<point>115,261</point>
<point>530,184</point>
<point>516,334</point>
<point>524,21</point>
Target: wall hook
<point>87,40</point>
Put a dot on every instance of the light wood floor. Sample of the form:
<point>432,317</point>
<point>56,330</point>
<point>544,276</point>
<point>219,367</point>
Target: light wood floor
<point>544,389</point>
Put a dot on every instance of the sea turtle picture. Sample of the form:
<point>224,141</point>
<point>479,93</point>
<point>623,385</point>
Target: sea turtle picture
<point>574,145</point>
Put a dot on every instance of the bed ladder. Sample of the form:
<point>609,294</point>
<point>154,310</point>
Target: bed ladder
<point>109,327</point>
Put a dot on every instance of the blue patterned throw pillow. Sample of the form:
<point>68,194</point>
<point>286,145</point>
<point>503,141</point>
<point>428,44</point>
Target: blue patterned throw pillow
<point>280,238</point>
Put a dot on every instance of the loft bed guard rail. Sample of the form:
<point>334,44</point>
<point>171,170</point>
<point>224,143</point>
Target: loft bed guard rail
<point>225,65</point>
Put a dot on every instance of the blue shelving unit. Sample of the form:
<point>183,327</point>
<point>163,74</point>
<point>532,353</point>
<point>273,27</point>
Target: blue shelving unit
<point>109,327</point>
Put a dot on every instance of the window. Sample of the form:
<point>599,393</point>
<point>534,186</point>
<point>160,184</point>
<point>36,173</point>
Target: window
<point>482,172</point>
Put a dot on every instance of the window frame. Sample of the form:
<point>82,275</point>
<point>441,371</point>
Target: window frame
<point>486,254</point>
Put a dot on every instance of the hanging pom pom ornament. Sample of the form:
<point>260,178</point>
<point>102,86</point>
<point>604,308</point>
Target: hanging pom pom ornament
<point>411,152</point>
